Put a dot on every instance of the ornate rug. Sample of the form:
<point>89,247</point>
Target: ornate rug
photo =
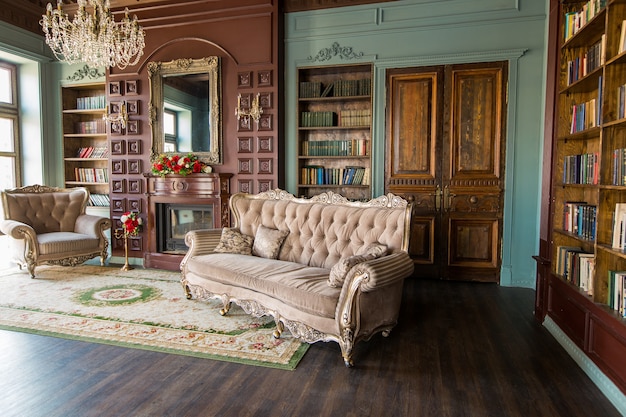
<point>140,308</point>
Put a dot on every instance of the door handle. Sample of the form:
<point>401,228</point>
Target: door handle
<point>437,195</point>
<point>447,198</point>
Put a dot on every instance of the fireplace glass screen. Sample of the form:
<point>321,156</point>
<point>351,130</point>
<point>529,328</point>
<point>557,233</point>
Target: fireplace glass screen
<point>175,220</point>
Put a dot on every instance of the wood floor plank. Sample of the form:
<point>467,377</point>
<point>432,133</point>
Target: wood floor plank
<point>459,349</point>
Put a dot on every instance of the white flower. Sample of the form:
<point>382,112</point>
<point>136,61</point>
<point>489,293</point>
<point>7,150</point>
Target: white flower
<point>124,218</point>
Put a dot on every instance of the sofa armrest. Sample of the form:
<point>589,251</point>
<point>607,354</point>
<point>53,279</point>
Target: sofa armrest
<point>201,242</point>
<point>88,224</point>
<point>382,271</point>
<point>370,275</point>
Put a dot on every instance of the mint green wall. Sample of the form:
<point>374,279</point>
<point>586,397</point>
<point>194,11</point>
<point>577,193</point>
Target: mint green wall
<point>425,32</point>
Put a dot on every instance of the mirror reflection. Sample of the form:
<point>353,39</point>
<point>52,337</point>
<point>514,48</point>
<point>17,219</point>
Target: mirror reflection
<point>185,108</point>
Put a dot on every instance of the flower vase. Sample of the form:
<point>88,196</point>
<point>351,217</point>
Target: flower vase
<point>126,266</point>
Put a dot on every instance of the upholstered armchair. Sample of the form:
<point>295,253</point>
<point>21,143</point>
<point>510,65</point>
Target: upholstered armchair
<point>49,225</point>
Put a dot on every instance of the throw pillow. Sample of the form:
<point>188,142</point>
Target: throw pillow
<point>267,242</point>
<point>339,271</point>
<point>233,241</point>
<point>375,249</point>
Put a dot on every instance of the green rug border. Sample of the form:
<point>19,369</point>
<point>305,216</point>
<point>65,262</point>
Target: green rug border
<point>293,362</point>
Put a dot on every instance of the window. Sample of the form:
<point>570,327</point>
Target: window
<point>170,129</point>
<point>9,134</point>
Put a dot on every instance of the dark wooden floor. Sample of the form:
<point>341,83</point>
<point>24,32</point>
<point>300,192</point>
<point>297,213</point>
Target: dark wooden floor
<point>460,349</point>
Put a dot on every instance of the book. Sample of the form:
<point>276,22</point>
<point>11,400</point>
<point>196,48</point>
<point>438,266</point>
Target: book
<point>622,38</point>
<point>619,225</point>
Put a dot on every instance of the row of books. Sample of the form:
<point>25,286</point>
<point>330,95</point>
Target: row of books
<point>619,227</point>
<point>338,88</point>
<point>96,175</point>
<point>93,152</point>
<point>622,39</point>
<point>618,172</point>
<point>91,103</point>
<point>587,62</point>
<point>90,126</point>
<point>318,119</point>
<point>319,175</point>
<point>576,266</point>
<point>616,297</point>
<point>351,147</point>
<point>99,200</point>
<point>621,99</point>
<point>344,88</point>
<point>586,115</point>
<point>352,118</point>
<point>581,169</point>
<point>580,219</point>
<point>574,21</point>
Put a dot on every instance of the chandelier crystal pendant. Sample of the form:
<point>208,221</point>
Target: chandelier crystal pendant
<point>95,39</point>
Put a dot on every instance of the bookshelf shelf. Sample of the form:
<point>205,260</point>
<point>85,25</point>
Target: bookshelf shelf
<point>334,130</point>
<point>583,290</point>
<point>84,134</point>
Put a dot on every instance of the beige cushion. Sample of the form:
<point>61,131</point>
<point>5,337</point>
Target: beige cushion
<point>267,242</point>
<point>233,241</point>
<point>375,249</point>
<point>340,270</point>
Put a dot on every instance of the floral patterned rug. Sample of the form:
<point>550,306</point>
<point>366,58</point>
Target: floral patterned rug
<point>140,308</point>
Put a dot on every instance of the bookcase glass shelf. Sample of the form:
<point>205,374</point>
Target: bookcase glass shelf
<point>334,130</point>
<point>85,147</point>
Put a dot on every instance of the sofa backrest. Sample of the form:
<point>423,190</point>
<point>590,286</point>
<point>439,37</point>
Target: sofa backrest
<point>327,227</point>
<point>45,209</point>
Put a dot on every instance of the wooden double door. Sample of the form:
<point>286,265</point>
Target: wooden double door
<point>445,148</point>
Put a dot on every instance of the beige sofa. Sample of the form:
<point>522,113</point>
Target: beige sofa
<point>325,268</point>
<point>49,225</point>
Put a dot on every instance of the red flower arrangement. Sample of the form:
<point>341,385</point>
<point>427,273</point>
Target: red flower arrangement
<point>179,164</point>
<point>131,223</point>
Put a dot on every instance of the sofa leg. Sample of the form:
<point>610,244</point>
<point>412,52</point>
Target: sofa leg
<point>225,309</point>
<point>280,327</point>
<point>348,361</point>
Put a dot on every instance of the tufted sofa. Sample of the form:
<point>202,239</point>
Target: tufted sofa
<point>49,225</point>
<point>325,268</point>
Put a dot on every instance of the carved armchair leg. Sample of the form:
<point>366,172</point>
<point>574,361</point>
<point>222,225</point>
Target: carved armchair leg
<point>187,291</point>
<point>31,269</point>
<point>280,327</point>
<point>226,308</point>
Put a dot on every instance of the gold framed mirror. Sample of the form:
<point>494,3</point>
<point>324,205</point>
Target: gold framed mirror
<point>185,108</point>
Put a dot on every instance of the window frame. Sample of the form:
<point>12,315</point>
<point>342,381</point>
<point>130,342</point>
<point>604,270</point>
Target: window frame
<point>11,111</point>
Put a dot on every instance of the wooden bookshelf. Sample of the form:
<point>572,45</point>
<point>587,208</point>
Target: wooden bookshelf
<point>334,130</point>
<point>587,183</point>
<point>85,146</point>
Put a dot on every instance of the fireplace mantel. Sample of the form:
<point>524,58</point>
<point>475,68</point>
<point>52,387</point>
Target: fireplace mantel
<point>192,190</point>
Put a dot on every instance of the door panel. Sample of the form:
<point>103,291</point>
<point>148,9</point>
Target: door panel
<point>445,153</point>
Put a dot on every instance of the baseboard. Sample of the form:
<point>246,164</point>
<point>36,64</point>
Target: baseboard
<point>608,388</point>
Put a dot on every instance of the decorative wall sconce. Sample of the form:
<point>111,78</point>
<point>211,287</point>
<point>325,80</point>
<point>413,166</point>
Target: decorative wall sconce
<point>255,111</point>
<point>121,117</point>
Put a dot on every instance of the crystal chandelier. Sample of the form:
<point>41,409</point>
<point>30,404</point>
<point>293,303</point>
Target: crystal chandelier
<point>95,39</point>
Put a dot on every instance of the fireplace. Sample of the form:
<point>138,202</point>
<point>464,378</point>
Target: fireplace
<point>175,220</point>
<point>177,204</point>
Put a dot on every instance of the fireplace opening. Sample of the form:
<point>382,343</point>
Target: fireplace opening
<point>173,221</point>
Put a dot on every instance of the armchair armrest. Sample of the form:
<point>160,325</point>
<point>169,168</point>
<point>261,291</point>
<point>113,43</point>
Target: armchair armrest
<point>17,230</point>
<point>201,242</point>
<point>88,224</point>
